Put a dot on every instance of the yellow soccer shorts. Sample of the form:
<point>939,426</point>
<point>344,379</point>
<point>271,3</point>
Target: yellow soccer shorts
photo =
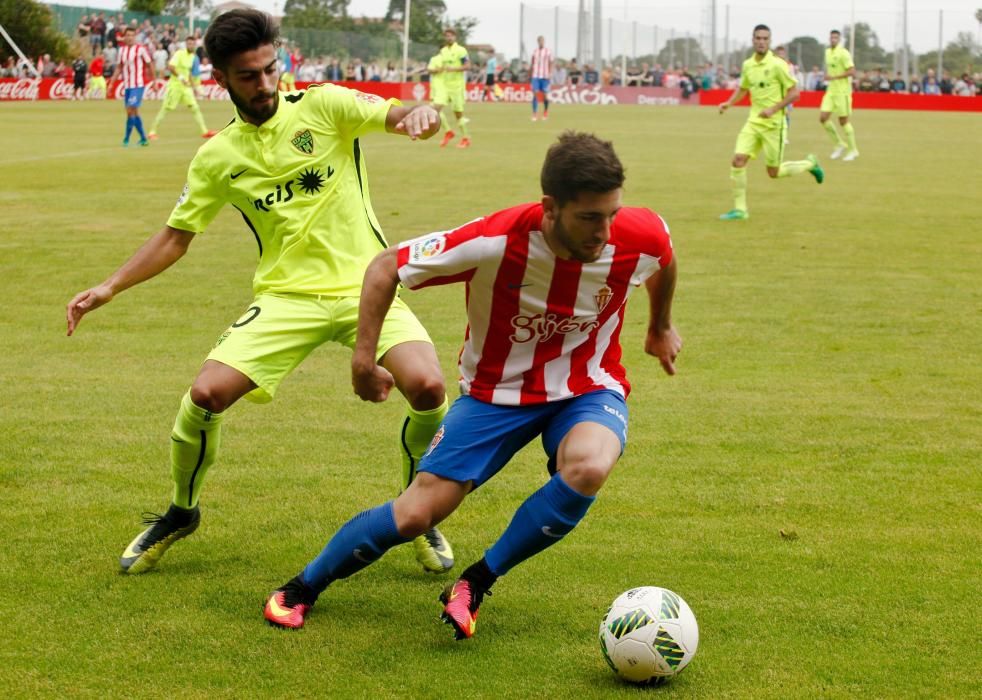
<point>288,81</point>
<point>278,331</point>
<point>178,94</point>
<point>456,96</point>
<point>97,84</point>
<point>839,105</point>
<point>754,138</point>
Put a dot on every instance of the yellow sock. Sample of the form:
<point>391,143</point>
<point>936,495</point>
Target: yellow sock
<point>193,447</point>
<point>850,136</point>
<point>833,134</point>
<point>417,433</point>
<point>793,167</point>
<point>738,176</point>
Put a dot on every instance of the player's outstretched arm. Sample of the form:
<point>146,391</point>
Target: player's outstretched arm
<point>662,341</point>
<point>370,380</point>
<point>419,122</point>
<point>160,252</point>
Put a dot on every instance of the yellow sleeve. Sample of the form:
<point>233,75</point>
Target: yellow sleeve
<point>786,78</point>
<point>353,112</point>
<point>201,200</point>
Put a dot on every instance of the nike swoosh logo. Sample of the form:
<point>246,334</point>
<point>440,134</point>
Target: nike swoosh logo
<point>130,552</point>
<point>235,175</point>
<point>277,610</point>
<point>177,440</point>
<point>519,286</point>
<point>547,531</point>
<point>361,557</point>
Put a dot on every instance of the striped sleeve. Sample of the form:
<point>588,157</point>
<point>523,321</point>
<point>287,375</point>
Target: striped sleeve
<point>443,257</point>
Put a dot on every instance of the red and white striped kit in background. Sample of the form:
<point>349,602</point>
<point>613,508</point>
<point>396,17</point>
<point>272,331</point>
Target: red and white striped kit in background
<point>540,328</point>
<point>542,63</point>
<point>133,60</point>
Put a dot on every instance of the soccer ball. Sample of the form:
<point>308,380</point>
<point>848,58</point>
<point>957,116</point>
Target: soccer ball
<point>648,635</point>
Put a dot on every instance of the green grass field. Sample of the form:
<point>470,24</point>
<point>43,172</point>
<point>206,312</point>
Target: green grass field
<point>829,387</point>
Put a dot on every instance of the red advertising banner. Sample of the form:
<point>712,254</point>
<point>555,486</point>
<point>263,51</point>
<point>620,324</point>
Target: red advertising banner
<point>870,100</point>
<point>15,89</point>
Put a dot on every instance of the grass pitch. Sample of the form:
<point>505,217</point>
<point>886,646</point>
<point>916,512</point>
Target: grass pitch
<point>829,389</point>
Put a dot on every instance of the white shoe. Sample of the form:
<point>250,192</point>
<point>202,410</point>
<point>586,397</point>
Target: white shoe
<point>534,118</point>
<point>837,153</point>
<point>851,155</point>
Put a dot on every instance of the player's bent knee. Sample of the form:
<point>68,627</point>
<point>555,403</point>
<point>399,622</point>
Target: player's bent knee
<point>412,520</point>
<point>208,397</point>
<point>427,391</point>
<point>586,477</point>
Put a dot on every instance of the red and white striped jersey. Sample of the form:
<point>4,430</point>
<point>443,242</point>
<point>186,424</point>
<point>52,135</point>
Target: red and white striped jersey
<point>132,62</point>
<point>542,63</point>
<point>539,328</point>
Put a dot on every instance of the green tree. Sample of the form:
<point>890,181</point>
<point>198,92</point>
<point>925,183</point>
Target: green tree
<point>868,54</point>
<point>153,7</point>
<point>34,28</point>
<point>812,52</point>
<point>427,20</point>
<point>960,56</point>
<point>317,14</point>
<point>696,56</point>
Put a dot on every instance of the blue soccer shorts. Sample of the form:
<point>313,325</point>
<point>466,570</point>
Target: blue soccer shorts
<point>133,96</point>
<point>541,85</point>
<point>477,439</point>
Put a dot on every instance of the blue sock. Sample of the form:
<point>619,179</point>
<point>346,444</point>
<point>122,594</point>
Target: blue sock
<point>535,102</point>
<point>138,123</point>
<point>546,517</point>
<point>129,127</point>
<point>360,541</point>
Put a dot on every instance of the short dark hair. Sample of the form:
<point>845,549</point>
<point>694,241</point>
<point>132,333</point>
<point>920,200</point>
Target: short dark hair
<point>762,26</point>
<point>129,28</point>
<point>580,162</point>
<point>236,31</point>
<point>836,31</point>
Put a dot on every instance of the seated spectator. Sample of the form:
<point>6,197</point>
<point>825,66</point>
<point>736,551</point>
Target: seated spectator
<point>880,81</point>
<point>931,86</point>
<point>46,67</point>
<point>657,76</point>
<point>524,73</point>
<point>372,72</point>
<point>634,76</point>
<point>813,79</point>
<point>915,85</point>
<point>945,84</point>
<point>898,84</point>
<point>307,73</point>
<point>866,83</point>
<point>608,77</point>
<point>505,75</point>
<point>333,72</point>
<point>590,75</point>
<point>392,74</point>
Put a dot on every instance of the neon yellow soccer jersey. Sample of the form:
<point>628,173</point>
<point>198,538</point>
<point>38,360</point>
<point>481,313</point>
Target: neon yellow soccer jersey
<point>454,55</point>
<point>837,62</point>
<point>300,183</point>
<point>180,65</point>
<point>768,82</point>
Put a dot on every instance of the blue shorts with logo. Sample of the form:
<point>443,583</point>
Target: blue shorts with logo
<point>477,439</point>
<point>133,96</point>
<point>540,85</point>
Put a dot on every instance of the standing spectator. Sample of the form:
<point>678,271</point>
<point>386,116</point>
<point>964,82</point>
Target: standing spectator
<point>333,73</point>
<point>813,79</point>
<point>964,86</point>
<point>83,29</point>
<point>559,74</point>
<point>523,75</point>
<point>97,77</point>
<point>97,32</point>
<point>490,69</point>
<point>392,74</point>
<point>79,69</point>
<point>111,55</point>
<point>657,76</point>
<point>931,85</point>
<point>898,84</point>
<point>160,57</point>
<point>307,73</point>
<point>9,69</point>
<point>541,74</point>
<point>575,74</point>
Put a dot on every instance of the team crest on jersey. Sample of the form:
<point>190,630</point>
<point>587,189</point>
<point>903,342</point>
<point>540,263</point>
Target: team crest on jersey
<point>303,141</point>
<point>367,97</point>
<point>602,297</point>
<point>436,440</point>
<point>427,249</point>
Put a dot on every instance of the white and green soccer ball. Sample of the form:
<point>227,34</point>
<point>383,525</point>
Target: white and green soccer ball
<point>648,635</point>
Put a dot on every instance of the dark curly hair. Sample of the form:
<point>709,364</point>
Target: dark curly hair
<point>236,31</point>
<point>580,162</point>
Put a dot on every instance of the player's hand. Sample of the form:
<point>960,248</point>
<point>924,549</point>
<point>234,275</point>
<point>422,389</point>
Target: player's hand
<point>723,107</point>
<point>84,302</point>
<point>419,123</point>
<point>371,382</point>
<point>665,345</point>
<point>767,113</point>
